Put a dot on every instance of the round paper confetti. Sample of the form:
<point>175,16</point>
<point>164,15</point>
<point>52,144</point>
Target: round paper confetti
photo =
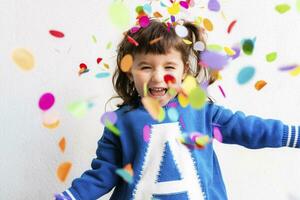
<point>271,56</point>
<point>147,8</point>
<point>146,133</point>
<point>214,60</point>
<point>214,5</point>
<point>197,98</point>
<point>189,83</point>
<point>282,8</point>
<point>208,24</point>
<point>169,79</point>
<point>46,101</point>
<point>173,114</point>
<point>229,51</point>
<point>199,46</point>
<point>174,9</point>
<point>63,170</point>
<point>248,46</point>
<point>181,31</point>
<point>119,14</point>
<point>109,117</point>
<point>126,63</point>
<point>135,29</point>
<point>217,134</point>
<point>260,84</point>
<point>154,108</point>
<point>144,21</point>
<point>183,100</point>
<point>245,74</point>
<point>23,58</point>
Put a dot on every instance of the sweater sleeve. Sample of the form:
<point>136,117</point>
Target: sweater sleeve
<point>252,131</point>
<point>101,178</point>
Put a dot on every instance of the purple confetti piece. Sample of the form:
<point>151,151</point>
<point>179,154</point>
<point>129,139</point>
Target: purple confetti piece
<point>214,5</point>
<point>214,60</point>
<point>287,68</point>
<point>237,52</point>
<point>109,117</point>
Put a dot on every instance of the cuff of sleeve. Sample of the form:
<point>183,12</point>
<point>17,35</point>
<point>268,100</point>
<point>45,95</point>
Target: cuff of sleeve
<point>68,195</point>
<point>291,136</point>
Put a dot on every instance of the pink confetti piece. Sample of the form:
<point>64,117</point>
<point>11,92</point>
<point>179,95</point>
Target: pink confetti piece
<point>46,101</point>
<point>146,133</point>
<point>222,91</point>
<point>217,134</point>
<point>184,4</point>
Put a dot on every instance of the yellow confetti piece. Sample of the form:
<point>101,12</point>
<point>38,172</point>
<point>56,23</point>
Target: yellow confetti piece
<point>207,24</point>
<point>51,119</point>
<point>23,58</point>
<point>62,144</point>
<point>106,65</point>
<point>295,72</point>
<point>260,84</point>
<point>229,51</point>
<point>198,21</point>
<point>52,125</point>
<point>174,9</point>
<point>126,63</point>
<point>183,100</point>
<point>197,98</point>
<point>188,42</point>
<point>63,171</point>
<point>189,83</point>
<point>154,108</point>
<point>202,140</point>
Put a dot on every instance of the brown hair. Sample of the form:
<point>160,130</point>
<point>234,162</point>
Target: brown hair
<point>125,88</point>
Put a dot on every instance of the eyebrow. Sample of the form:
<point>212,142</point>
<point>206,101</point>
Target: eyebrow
<point>167,63</point>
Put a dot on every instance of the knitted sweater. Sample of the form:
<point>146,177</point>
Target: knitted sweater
<point>163,167</point>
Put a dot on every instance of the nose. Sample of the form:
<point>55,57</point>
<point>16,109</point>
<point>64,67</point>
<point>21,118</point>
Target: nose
<point>157,76</point>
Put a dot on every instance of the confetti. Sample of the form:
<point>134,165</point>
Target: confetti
<point>51,119</point>
<point>94,38</point>
<point>287,68</point>
<point>119,14</point>
<point>103,75</point>
<point>147,8</point>
<point>56,33</point>
<point>231,25</point>
<point>126,173</point>
<point>126,63</point>
<point>99,60</point>
<point>270,57</point>
<point>229,51</point>
<point>189,83</point>
<point>174,9</point>
<point>155,40</point>
<point>183,100</point>
<point>62,144</point>
<point>214,47</point>
<point>248,46</point>
<point>260,84</point>
<point>108,46</point>
<point>245,74</point>
<point>112,128</point>
<point>214,60</point>
<point>181,31</point>
<point>199,46</point>
<point>132,41</point>
<point>217,134</point>
<point>298,5</point>
<point>202,141</point>
<point>146,133</point>
<point>109,117</point>
<point>157,14</point>
<point>184,4</point>
<point>63,171</point>
<point>169,79</point>
<point>46,101</point>
<point>237,51</point>
<point>23,58</point>
<point>144,21</point>
<point>173,114</point>
<point>295,71</point>
<point>214,5</point>
<point>282,8</point>
<point>188,42</point>
<point>197,98</point>
<point>83,69</point>
<point>208,24</point>
<point>222,91</point>
<point>78,109</point>
<point>135,29</point>
<point>154,108</point>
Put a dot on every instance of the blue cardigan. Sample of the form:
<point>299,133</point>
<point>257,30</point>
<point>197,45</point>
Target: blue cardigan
<point>163,167</point>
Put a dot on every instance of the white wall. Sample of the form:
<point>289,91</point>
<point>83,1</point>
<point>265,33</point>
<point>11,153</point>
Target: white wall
<point>29,154</point>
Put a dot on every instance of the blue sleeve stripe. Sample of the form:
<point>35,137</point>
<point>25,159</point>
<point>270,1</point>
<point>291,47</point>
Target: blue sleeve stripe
<point>285,135</point>
<point>291,143</point>
<point>68,195</point>
<point>298,141</point>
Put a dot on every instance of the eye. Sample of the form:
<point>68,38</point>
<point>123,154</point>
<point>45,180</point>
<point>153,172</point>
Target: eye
<point>144,67</point>
<point>169,67</point>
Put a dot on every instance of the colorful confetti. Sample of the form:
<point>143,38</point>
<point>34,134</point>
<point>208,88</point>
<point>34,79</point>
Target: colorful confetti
<point>174,9</point>
<point>208,24</point>
<point>260,84</point>
<point>231,25</point>
<point>199,46</point>
<point>173,114</point>
<point>57,34</point>
<point>63,171</point>
<point>132,41</point>
<point>119,14</point>
<point>144,21</point>
<point>155,40</point>
<point>169,79</point>
<point>295,71</point>
<point>248,46</point>
<point>109,117</point>
<point>126,173</point>
<point>245,74</point>
<point>282,8</point>
<point>146,133</point>
<point>214,60</point>
<point>154,108</point>
<point>23,58</point>
<point>62,144</point>
<point>126,63</point>
<point>46,101</point>
<point>181,31</point>
<point>270,57</point>
<point>102,75</point>
<point>217,134</point>
<point>222,91</point>
<point>214,5</point>
<point>78,109</point>
<point>197,98</point>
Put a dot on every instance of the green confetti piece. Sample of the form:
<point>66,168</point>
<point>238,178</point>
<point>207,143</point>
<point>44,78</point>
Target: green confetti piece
<point>271,56</point>
<point>108,46</point>
<point>94,38</point>
<point>214,47</point>
<point>119,14</point>
<point>298,5</point>
<point>112,128</point>
<point>78,109</point>
<point>248,46</point>
<point>197,98</point>
<point>282,8</point>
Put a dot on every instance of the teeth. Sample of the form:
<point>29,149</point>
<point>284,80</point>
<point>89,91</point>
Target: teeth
<point>158,89</point>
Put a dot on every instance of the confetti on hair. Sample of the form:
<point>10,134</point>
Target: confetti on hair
<point>229,51</point>
<point>63,171</point>
<point>222,91</point>
<point>199,46</point>
<point>260,84</point>
<point>62,144</point>
<point>135,29</point>
<point>126,173</point>
<point>181,31</point>
<point>217,134</point>
<point>184,4</point>
<point>214,5</point>
<point>245,74</point>
<point>231,25</point>
<point>270,57</point>
<point>46,101</point>
<point>146,133</point>
<point>126,63</point>
<point>248,46</point>
<point>295,72</point>
<point>102,75</point>
<point>57,34</point>
<point>174,9</point>
<point>132,41</point>
<point>157,14</point>
<point>208,24</point>
<point>173,18</point>
<point>144,21</point>
<point>23,58</point>
<point>188,42</point>
<point>154,108</point>
<point>155,40</point>
<point>282,8</point>
<point>214,60</point>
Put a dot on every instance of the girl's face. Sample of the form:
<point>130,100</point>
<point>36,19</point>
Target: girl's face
<point>150,69</point>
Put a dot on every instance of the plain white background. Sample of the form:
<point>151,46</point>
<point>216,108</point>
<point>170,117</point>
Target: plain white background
<point>29,154</point>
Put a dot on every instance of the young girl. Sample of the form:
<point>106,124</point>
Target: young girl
<point>163,167</point>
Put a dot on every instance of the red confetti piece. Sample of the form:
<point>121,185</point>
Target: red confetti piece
<point>169,79</point>
<point>132,41</point>
<point>83,66</point>
<point>222,91</point>
<point>99,60</point>
<point>56,33</point>
<point>231,26</point>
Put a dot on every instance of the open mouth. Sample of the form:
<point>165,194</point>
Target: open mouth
<point>158,91</point>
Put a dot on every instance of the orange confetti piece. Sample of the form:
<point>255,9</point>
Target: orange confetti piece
<point>62,144</point>
<point>63,170</point>
<point>126,63</point>
<point>155,40</point>
<point>157,15</point>
<point>208,24</point>
<point>260,84</point>
<point>128,168</point>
